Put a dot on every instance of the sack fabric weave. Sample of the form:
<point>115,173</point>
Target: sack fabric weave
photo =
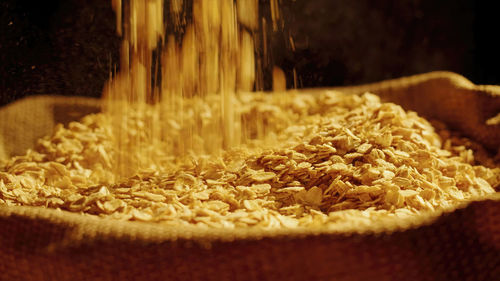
<point>43,244</point>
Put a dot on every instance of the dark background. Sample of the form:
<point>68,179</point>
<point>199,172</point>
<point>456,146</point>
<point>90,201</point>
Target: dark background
<point>69,47</point>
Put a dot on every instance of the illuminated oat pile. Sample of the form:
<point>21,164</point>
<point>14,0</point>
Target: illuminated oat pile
<point>336,159</point>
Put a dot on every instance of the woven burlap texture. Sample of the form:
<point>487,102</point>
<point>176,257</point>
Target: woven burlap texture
<point>43,244</point>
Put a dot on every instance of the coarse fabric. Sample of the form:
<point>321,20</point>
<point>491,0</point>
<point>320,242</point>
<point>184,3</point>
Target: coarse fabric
<point>464,244</point>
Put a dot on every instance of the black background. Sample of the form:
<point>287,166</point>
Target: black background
<point>69,47</point>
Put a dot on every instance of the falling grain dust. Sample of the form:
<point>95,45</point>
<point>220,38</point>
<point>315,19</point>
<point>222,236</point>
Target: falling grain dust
<point>189,67</point>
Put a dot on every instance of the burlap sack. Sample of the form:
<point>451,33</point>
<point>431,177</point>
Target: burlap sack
<point>42,244</point>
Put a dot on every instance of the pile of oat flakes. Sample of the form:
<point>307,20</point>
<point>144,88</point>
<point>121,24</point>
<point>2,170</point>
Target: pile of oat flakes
<point>335,158</point>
